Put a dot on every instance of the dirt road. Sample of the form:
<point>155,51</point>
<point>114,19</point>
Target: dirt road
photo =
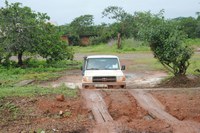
<point>95,102</point>
<point>131,106</point>
<point>139,108</point>
<point>153,106</point>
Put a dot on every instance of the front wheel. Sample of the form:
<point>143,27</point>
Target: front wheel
<point>123,86</point>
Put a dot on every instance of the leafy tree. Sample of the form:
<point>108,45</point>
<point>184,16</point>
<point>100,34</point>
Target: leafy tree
<point>116,13</point>
<point>198,25</point>
<point>197,30</point>
<point>188,25</point>
<point>145,19</point>
<point>65,29</point>
<point>124,21</point>
<point>82,25</point>
<point>22,30</point>
<point>50,46</point>
<point>166,42</point>
<point>16,24</point>
<point>104,33</point>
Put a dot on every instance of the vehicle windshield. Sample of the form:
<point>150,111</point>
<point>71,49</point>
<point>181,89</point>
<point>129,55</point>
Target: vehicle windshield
<point>102,64</point>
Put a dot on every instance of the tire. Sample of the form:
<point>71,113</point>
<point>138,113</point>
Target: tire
<point>123,86</point>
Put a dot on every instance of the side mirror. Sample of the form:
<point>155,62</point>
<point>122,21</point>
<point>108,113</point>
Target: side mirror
<point>123,67</point>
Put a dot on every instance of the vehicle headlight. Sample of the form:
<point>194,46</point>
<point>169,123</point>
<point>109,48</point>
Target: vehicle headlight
<point>121,78</point>
<point>87,79</point>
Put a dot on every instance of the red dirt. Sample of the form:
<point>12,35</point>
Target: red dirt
<point>130,116</point>
<point>181,82</point>
<point>148,102</point>
<point>183,104</point>
<point>44,114</point>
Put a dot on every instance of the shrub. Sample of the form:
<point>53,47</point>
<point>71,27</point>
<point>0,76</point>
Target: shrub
<point>166,42</point>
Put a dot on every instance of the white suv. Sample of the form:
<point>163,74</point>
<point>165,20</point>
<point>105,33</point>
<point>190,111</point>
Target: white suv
<point>103,71</point>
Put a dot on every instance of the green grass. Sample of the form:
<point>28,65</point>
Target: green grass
<point>128,46</point>
<point>194,64</point>
<point>146,64</point>
<point>40,70</point>
<point>30,91</point>
<point>10,107</point>
<point>37,71</point>
<point>10,111</point>
<point>14,75</point>
<point>193,42</point>
<point>153,64</point>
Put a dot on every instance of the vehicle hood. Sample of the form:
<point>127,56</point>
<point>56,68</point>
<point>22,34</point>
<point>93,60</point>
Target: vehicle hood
<point>103,73</point>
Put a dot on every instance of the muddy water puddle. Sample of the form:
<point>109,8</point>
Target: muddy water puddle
<point>144,79</point>
<point>72,79</point>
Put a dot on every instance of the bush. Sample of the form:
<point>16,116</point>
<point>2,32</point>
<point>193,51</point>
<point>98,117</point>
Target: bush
<point>166,42</point>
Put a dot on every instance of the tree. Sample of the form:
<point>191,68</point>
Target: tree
<point>50,46</point>
<point>16,28</point>
<point>22,30</point>
<point>145,19</point>
<point>104,33</point>
<point>82,25</point>
<point>116,13</point>
<point>166,42</point>
<point>188,25</point>
<point>122,20</point>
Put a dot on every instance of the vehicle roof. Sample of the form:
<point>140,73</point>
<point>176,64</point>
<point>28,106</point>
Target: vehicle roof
<point>102,56</point>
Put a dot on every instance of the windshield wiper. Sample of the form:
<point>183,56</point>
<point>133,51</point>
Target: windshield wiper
<point>93,69</point>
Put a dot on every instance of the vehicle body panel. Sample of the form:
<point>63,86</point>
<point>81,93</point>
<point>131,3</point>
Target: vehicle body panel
<point>102,70</point>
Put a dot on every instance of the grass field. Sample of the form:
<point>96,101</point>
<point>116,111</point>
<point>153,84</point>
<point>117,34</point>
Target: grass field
<point>128,46</point>
<point>33,90</point>
<point>194,64</point>
<point>41,71</point>
<point>38,71</point>
<point>138,47</point>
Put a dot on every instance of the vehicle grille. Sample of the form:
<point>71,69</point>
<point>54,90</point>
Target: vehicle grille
<point>104,79</point>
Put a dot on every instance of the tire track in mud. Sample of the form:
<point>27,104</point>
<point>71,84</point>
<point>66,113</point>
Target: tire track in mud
<point>106,124</point>
<point>154,107</point>
<point>95,102</point>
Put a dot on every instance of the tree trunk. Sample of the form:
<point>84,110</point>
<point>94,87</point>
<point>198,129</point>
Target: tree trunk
<point>20,62</point>
<point>119,41</point>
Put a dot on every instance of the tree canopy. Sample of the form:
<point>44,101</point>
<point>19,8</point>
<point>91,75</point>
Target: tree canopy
<point>82,25</point>
<point>166,42</point>
<point>23,30</point>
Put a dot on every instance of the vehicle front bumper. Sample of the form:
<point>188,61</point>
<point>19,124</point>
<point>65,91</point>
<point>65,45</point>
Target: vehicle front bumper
<point>104,85</point>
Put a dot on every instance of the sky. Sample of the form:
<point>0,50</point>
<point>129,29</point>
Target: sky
<point>64,11</point>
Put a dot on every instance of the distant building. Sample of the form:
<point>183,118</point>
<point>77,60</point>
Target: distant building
<point>85,39</point>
